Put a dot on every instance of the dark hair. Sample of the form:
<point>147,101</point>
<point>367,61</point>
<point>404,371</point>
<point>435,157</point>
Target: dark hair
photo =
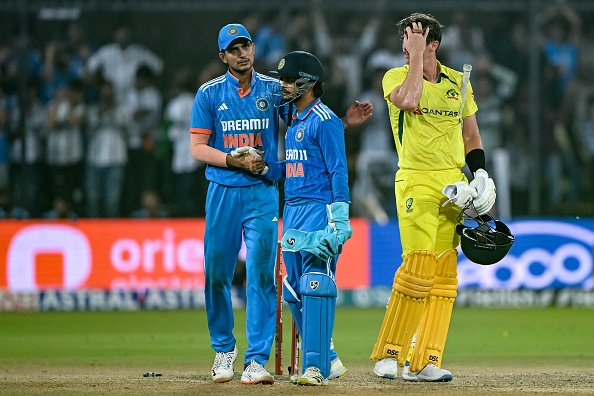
<point>318,90</point>
<point>427,21</point>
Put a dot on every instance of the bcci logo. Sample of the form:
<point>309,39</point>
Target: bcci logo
<point>452,94</point>
<point>281,64</point>
<point>314,285</point>
<point>262,104</point>
<point>409,203</point>
<point>232,31</point>
<point>299,135</point>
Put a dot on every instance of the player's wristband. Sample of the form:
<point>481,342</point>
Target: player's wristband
<point>475,159</point>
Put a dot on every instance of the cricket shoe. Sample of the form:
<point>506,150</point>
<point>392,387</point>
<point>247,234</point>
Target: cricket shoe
<point>222,369</point>
<point>312,376</point>
<point>337,369</point>
<point>255,373</point>
<point>429,373</point>
<point>386,368</point>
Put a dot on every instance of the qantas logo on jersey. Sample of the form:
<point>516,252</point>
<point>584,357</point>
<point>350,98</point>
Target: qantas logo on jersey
<point>446,113</point>
<point>253,124</point>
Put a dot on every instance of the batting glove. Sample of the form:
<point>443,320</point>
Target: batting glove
<point>460,194</point>
<point>247,150</point>
<point>486,192</point>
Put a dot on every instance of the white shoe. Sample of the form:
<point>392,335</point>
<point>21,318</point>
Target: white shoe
<point>429,373</point>
<point>312,376</point>
<point>255,373</point>
<point>337,369</point>
<point>222,369</point>
<point>386,368</point>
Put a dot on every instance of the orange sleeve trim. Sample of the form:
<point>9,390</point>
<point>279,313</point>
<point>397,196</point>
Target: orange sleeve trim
<point>201,131</point>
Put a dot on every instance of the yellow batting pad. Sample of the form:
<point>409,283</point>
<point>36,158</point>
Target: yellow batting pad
<point>433,329</point>
<point>412,284</point>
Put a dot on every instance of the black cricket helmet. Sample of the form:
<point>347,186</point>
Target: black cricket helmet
<point>300,64</point>
<point>486,242</point>
<point>303,67</point>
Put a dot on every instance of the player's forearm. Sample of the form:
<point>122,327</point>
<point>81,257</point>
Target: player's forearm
<point>408,95</point>
<point>209,155</point>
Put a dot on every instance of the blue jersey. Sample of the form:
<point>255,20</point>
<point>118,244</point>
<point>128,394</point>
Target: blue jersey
<point>315,157</point>
<point>234,118</point>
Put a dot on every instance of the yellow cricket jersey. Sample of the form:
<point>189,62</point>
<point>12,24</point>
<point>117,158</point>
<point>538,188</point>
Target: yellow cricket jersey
<point>430,138</point>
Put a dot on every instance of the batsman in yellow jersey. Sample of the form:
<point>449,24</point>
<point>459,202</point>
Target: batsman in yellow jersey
<point>436,133</point>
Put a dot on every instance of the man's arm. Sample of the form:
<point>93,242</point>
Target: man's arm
<point>357,113</point>
<point>203,152</point>
<point>408,95</point>
<point>471,135</point>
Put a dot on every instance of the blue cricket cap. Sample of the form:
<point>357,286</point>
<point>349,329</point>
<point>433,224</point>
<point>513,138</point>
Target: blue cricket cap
<point>231,32</point>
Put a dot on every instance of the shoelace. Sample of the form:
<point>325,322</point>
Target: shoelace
<point>314,373</point>
<point>223,359</point>
<point>254,367</point>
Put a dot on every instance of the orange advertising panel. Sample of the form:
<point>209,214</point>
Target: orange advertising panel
<point>128,254</point>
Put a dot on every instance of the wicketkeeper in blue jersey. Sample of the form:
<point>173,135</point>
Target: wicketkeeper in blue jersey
<point>234,129</point>
<point>316,213</point>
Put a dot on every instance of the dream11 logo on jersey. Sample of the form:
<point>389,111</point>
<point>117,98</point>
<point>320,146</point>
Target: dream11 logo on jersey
<point>545,254</point>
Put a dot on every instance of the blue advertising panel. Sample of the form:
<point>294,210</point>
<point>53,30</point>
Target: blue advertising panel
<point>554,253</point>
<point>547,253</point>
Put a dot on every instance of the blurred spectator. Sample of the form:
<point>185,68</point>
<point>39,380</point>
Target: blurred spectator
<point>106,155</point>
<point>387,56</point>
<point>377,162</point>
<point>270,41</point>
<point>561,26</point>
<point>492,85</point>
<point>61,209</point>
<point>348,50</point>
<point>118,62</point>
<point>144,106</point>
<point>66,118</point>
<point>150,206</point>
<point>189,181</point>
<point>19,63</point>
<point>78,48</point>
<point>586,126</point>
<point>26,151</point>
<point>7,208</point>
<point>57,71</point>
<point>562,29</point>
<point>5,124</point>
<point>463,40</point>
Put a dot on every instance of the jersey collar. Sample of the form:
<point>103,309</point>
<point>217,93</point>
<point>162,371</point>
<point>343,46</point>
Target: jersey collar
<point>303,115</point>
<point>234,81</point>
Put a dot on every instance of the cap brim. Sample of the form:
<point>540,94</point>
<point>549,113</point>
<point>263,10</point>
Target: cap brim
<point>234,40</point>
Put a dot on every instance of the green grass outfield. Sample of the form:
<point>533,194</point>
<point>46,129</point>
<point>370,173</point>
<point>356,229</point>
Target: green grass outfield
<point>513,337</point>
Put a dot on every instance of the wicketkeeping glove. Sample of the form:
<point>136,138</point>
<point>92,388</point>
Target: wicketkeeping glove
<point>460,193</point>
<point>338,224</point>
<point>485,188</point>
<point>311,242</point>
<point>247,150</point>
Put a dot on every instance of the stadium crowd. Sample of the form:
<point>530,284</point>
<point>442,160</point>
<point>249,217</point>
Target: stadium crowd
<point>87,130</point>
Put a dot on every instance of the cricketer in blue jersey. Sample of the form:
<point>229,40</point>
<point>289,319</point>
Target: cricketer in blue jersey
<point>316,213</point>
<point>234,130</point>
